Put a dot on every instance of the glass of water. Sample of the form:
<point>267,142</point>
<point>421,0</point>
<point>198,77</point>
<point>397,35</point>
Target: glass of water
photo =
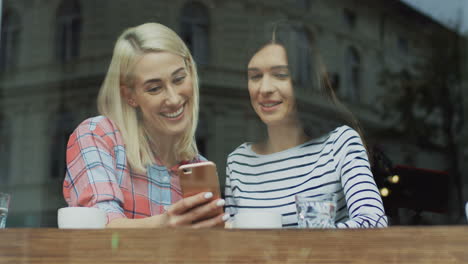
<point>316,211</point>
<point>4,203</point>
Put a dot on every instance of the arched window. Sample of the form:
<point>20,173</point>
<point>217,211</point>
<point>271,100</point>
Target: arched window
<point>195,26</point>
<point>353,75</point>
<point>68,31</point>
<point>11,28</point>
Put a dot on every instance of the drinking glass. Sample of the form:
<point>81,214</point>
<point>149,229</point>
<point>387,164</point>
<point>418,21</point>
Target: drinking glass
<point>4,203</point>
<point>316,211</point>
<point>466,210</point>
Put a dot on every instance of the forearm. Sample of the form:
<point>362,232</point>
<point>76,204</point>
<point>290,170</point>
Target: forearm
<point>155,221</point>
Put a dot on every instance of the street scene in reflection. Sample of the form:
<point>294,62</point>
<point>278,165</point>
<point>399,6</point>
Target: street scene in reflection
<point>366,100</point>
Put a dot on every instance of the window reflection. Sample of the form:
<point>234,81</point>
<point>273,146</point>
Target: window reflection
<point>195,30</point>
<point>303,57</point>
<point>353,75</point>
<point>68,31</point>
<point>11,27</point>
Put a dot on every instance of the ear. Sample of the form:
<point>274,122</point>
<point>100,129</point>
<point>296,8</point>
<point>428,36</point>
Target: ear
<point>128,95</point>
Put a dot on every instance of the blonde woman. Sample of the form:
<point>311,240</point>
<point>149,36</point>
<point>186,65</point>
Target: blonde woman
<point>124,161</point>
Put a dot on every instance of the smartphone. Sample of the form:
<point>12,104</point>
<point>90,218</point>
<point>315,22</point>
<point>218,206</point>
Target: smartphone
<point>199,177</point>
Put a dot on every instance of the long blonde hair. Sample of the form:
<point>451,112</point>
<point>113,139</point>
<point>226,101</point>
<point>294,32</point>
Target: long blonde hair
<point>132,44</point>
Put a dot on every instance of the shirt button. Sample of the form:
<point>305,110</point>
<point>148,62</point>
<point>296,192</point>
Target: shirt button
<point>166,179</point>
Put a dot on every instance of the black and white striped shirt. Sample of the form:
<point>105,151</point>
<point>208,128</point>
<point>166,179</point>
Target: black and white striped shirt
<point>335,163</point>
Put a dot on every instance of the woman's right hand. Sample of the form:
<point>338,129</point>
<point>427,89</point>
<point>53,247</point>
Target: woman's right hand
<point>196,211</point>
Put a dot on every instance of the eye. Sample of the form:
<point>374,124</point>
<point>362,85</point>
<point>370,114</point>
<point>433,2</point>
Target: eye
<point>255,77</point>
<point>154,89</point>
<point>281,76</point>
<point>179,79</point>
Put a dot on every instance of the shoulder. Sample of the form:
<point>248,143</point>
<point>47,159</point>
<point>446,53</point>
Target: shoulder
<point>243,150</point>
<point>344,134</point>
<point>97,127</point>
<point>347,140</point>
<point>97,124</point>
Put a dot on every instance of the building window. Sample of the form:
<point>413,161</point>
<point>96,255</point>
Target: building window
<point>5,150</point>
<point>349,18</point>
<point>195,26</point>
<point>382,27</point>
<point>353,75</point>
<point>68,31</point>
<point>302,4</point>
<point>64,127</point>
<point>11,28</point>
<point>335,81</point>
<point>302,58</point>
<point>403,45</point>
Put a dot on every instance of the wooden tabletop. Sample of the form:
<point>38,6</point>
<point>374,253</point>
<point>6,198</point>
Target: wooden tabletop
<point>443,244</point>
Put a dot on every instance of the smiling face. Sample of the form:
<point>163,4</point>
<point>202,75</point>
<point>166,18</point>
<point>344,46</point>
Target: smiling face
<point>163,91</point>
<point>270,86</point>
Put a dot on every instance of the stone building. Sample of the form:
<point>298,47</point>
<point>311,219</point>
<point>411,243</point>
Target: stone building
<point>55,53</point>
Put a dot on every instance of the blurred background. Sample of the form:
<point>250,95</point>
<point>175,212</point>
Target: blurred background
<point>400,66</point>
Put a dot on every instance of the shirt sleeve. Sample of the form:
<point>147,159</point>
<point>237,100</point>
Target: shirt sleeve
<point>230,206</point>
<point>90,178</point>
<point>363,200</point>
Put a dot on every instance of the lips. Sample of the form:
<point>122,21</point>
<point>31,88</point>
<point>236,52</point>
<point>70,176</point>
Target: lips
<point>268,106</point>
<point>175,114</point>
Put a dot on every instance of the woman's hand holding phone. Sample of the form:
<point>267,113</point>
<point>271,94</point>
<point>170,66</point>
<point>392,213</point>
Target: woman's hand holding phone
<point>197,211</point>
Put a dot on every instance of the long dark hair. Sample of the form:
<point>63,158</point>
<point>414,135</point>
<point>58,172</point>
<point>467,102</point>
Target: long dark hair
<point>294,37</point>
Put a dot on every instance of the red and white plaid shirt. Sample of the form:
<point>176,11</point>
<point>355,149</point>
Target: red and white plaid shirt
<point>98,175</point>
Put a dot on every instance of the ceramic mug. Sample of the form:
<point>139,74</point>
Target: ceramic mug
<point>81,218</point>
<point>257,220</point>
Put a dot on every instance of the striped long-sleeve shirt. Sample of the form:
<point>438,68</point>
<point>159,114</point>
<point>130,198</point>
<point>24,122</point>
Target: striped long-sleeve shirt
<point>335,163</point>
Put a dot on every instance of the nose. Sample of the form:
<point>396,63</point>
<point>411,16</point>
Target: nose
<point>266,85</point>
<point>172,97</point>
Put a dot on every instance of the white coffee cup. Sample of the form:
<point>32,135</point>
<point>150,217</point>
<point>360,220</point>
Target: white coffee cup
<point>81,218</point>
<point>257,220</point>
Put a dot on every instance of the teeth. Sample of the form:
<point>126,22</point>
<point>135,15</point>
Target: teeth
<point>174,114</point>
<point>270,104</point>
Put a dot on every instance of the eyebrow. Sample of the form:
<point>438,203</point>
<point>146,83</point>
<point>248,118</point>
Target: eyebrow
<point>177,71</point>
<point>278,67</point>
<point>159,79</point>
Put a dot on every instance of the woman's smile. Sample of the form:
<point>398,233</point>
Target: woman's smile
<point>270,106</point>
<point>174,115</point>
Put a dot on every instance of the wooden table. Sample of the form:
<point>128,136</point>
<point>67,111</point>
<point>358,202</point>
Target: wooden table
<point>444,244</point>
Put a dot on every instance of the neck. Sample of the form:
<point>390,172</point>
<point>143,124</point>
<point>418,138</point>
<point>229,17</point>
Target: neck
<point>163,146</point>
<point>285,136</point>
<point>165,152</point>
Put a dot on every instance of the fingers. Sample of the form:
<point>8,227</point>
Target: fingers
<point>188,203</point>
<point>207,211</point>
<point>218,220</point>
<point>193,213</point>
<point>203,212</point>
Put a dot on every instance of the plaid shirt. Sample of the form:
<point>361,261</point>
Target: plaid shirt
<point>98,175</point>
